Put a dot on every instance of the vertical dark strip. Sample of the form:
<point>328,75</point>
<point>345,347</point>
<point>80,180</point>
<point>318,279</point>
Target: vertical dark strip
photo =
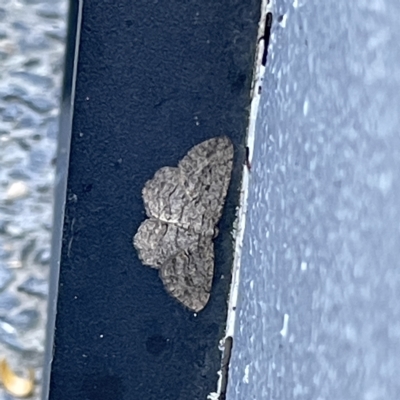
<point>153,79</point>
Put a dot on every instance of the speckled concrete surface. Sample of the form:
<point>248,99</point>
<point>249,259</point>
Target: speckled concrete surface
<point>32,35</point>
<point>320,280</point>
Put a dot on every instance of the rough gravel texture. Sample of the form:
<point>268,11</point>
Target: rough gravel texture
<point>32,34</point>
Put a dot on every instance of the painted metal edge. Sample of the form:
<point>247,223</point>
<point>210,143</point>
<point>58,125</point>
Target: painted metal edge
<point>61,177</point>
<point>227,343</point>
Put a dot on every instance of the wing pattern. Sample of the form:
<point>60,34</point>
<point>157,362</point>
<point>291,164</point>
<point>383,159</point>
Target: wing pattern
<point>183,206</point>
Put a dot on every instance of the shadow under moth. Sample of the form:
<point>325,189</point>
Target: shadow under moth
<point>183,205</point>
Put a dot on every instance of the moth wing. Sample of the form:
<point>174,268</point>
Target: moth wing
<point>205,176</point>
<point>163,196</point>
<point>156,241</point>
<point>184,204</point>
<point>188,275</point>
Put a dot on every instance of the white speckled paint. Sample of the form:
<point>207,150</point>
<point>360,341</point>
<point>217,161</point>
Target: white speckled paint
<point>321,237</point>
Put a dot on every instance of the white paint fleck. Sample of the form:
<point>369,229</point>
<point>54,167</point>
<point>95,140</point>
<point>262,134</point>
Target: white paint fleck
<point>282,23</point>
<point>306,107</point>
<point>303,266</point>
<point>284,330</point>
<point>246,374</point>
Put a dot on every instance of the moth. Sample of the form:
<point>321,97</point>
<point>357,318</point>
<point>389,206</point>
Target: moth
<point>183,205</point>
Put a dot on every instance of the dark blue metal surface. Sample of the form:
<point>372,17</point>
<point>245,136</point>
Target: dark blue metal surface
<point>153,79</point>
